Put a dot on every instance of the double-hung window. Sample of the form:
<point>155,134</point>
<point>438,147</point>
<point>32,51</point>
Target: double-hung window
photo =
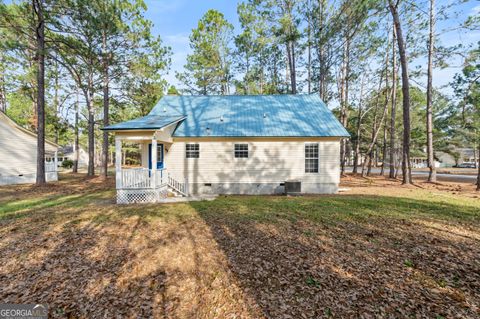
<point>192,150</point>
<point>311,158</point>
<point>241,150</point>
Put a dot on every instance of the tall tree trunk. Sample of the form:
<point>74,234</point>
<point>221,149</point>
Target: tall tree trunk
<point>106,105</point>
<point>275,75</point>
<point>393,114</point>
<point>369,154</point>
<point>40,107</point>
<point>321,52</point>
<point>370,157</point>
<point>293,72</point>
<point>384,151</point>
<point>76,147</point>
<point>56,102</point>
<point>291,66</point>
<point>247,71</point>
<point>261,77</point>
<point>309,52</point>
<point>91,126</point>
<point>406,167</point>
<point>357,142</point>
<point>432,176</point>
<point>3,95</point>
<point>3,91</point>
<point>478,175</point>
<point>359,130</point>
<point>287,10</point>
<point>344,102</point>
<point>341,89</point>
<point>475,158</point>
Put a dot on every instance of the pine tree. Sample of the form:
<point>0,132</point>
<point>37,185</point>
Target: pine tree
<point>208,68</point>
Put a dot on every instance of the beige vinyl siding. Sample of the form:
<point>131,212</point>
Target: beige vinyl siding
<point>143,138</point>
<point>269,161</point>
<point>18,149</point>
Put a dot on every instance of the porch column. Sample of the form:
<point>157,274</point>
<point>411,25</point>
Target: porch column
<point>153,160</point>
<point>118,162</point>
<point>55,161</point>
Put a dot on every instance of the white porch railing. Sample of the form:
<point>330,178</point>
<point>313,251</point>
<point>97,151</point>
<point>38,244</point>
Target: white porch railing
<point>50,167</point>
<point>142,178</point>
<point>180,187</point>
<point>136,178</point>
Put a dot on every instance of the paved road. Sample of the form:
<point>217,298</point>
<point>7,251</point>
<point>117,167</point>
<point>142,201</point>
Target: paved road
<point>441,177</point>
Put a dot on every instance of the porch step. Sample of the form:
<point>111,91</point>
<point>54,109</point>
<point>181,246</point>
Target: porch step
<point>177,187</point>
<point>175,193</point>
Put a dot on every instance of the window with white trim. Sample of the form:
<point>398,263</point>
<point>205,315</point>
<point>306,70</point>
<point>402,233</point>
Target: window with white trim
<point>192,150</point>
<point>311,157</point>
<point>241,150</point>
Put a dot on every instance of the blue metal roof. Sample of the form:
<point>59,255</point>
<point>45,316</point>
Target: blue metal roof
<point>243,116</point>
<point>149,122</point>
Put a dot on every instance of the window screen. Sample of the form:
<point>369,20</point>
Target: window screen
<point>241,150</point>
<point>192,150</point>
<point>311,158</point>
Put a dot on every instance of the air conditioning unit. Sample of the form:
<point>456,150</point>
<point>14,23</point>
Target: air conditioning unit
<point>293,187</point>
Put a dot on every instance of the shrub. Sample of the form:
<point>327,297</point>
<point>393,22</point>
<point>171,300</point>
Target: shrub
<point>67,163</point>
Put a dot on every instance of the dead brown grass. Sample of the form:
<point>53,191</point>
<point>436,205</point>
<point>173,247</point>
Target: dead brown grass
<point>385,186</point>
<point>241,257</point>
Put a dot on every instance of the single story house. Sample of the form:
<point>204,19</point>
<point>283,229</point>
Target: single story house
<point>18,154</point>
<point>68,153</point>
<point>230,145</point>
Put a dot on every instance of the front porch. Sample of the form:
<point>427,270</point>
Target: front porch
<point>151,182</point>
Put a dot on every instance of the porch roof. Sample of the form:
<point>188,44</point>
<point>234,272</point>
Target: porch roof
<point>149,122</point>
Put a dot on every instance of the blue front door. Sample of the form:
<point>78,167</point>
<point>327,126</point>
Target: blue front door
<point>159,156</point>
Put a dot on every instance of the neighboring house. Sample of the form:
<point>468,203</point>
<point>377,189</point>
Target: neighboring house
<point>422,162</point>
<point>68,153</point>
<point>457,156</point>
<point>468,155</point>
<point>230,145</point>
<point>447,159</point>
<point>18,154</point>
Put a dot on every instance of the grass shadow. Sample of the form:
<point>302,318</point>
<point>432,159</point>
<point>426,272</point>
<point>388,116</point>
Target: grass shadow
<point>348,256</point>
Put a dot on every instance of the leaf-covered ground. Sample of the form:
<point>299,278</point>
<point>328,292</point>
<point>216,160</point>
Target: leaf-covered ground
<point>379,250</point>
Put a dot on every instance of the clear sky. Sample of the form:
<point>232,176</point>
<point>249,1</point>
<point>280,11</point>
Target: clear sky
<point>174,20</point>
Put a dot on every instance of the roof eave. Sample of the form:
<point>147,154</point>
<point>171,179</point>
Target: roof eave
<point>14,124</point>
<point>262,136</point>
<point>151,128</point>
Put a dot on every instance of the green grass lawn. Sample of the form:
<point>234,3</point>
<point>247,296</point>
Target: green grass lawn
<point>380,250</point>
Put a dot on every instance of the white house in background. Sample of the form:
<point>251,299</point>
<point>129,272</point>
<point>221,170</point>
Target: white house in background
<point>422,162</point>
<point>68,153</point>
<point>18,154</point>
<point>230,145</point>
